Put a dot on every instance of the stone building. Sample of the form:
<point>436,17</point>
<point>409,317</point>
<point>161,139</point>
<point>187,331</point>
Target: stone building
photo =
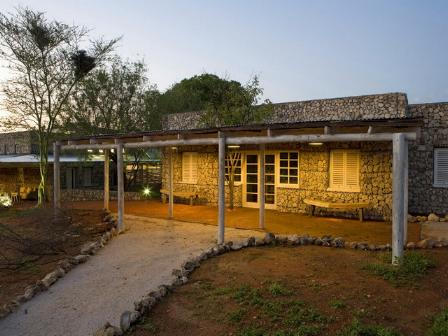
<point>349,172</point>
<point>81,176</point>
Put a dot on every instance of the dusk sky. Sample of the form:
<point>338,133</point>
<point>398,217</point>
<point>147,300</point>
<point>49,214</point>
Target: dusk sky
<point>300,49</point>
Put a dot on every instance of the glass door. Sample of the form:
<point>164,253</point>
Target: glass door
<point>251,196</point>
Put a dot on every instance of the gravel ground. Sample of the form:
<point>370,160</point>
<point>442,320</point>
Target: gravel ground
<point>130,266</point>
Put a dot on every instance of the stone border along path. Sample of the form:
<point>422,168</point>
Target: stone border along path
<point>180,276</point>
<point>64,266</point>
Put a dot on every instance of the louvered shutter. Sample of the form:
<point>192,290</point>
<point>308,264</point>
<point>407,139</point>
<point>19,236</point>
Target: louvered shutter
<point>441,167</point>
<point>189,167</point>
<point>344,170</point>
<point>352,170</point>
<point>337,169</point>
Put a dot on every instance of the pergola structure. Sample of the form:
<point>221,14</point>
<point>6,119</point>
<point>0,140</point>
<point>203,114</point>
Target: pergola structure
<point>397,131</point>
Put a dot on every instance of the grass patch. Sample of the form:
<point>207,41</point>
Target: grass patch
<point>252,331</point>
<point>359,329</point>
<point>277,289</point>
<point>337,304</point>
<point>147,325</point>
<point>440,324</point>
<point>412,268</point>
<point>237,315</point>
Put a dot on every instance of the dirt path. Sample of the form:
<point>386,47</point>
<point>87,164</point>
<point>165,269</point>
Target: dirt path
<point>101,289</point>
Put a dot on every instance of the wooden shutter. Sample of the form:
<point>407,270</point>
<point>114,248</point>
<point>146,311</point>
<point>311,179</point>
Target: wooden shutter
<point>337,169</point>
<point>352,170</point>
<point>441,167</point>
<point>344,170</point>
<point>189,167</point>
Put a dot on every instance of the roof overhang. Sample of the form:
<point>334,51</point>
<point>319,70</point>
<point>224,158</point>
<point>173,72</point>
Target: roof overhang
<point>319,131</point>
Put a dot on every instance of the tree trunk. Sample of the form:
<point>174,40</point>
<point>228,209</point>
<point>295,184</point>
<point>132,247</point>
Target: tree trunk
<point>231,188</point>
<point>43,169</point>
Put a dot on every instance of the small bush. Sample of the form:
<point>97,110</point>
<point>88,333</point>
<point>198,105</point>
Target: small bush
<point>337,304</point>
<point>237,315</point>
<point>359,329</point>
<point>277,289</point>
<point>440,324</point>
<point>412,267</point>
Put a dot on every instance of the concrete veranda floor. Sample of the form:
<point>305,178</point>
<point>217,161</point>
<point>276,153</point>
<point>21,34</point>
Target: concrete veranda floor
<point>277,222</point>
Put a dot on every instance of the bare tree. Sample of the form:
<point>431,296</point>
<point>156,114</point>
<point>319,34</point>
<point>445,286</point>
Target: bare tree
<point>46,61</point>
<point>233,161</point>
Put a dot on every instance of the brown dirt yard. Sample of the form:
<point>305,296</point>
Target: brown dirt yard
<point>318,291</point>
<point>34,240</point>
<point>277,222</point>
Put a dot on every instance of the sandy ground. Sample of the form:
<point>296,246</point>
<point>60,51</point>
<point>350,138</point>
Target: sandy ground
<point>277,222</point>
<point>130,266</point>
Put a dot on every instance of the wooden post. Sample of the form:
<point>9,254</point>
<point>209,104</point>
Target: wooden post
<point>120,184</point>
<point>106,179</point>
<point>405,191</point>
<point>399,169</point>
<point>171,185</point>
<point>221,186</point>
<point>56,175</point>
<point>261,188</point>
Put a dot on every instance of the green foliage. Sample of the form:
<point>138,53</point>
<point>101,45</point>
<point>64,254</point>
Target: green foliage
<point>252,331</point>
<point>277,289</point>
<point>224,102</point>
<point>337,304</point>
<point>412,268</point>
<point>440,324</point>
<point>359,329</point>
<point>237,315</point>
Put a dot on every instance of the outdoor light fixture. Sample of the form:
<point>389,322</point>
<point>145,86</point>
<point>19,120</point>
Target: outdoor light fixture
<point>315,143</point>
<point>90,150</point>
<point>233,146</point>
<point>173,148</point>
<point>147,191</point>
<point>100,151</point>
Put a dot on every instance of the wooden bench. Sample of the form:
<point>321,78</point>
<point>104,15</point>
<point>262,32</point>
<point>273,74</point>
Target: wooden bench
<point>182,194</point>
<point>336,205</point>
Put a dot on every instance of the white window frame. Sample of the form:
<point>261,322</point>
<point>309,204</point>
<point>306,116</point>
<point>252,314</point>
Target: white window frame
<point>436,167</point>
<point>344,187</point>
<point>278,163</point>
<point>193,168</point>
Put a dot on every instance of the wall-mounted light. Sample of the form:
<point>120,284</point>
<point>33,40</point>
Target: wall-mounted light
<point>101,151</point>
<point>233,146</point>
<point>315,143</point>
<point>90,150</point>
<point>173,148</point>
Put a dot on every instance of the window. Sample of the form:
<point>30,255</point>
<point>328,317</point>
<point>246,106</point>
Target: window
<point>289,168</point>
<point>233,159</point>
<point>87,176</point>
<point>441,167</point>
<point>189,167</point>
<point>344,170</point>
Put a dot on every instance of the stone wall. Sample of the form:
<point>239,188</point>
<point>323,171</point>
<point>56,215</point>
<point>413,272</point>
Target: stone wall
<point>18,143</point>
<point>424,198</point>
<point>380,106</point>
<point>375,178</point>
<point>207,185</point>
<point>11,179</point>
<point>96,195</point>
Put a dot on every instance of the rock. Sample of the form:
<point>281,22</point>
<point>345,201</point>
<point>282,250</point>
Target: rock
<point>410,246</point>
<point>236,246</point>
<point>135,315</point>
<point>89,248</point>
<point>190,265</point>
<point>422,219</point>
<point>372,247</point>
<point>65,264</point>
<point>81,258</point>
<point>338,242</point>
<point>363,246</point>
<point>125,321</point>
<point>281,239</point>
<point>269,238</point>
<point>318,242</point>
<point>382,247</point>
<point>423,244</point>
<point>259,242</point>
<point>412,219</point>
<point>433,217</point>
<point>438,244</point>
<point>293,240</point>
<point>163,290</point>
<point>52,277</point>
<point>30,291</point>
<point>353,245</point>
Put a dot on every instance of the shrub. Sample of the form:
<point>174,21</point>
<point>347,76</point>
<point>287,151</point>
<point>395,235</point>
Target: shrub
<point>440,324</point>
